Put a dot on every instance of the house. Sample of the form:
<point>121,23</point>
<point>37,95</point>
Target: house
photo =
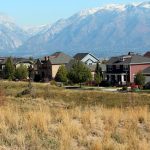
<point>146,73</point>
<point>122,69</point>
<point>147,54</point>
<point>87,58</point>
<point>47,67</point>
<point>16,61</point>
<point>93,68</point>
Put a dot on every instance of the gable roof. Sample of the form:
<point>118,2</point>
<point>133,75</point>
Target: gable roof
<point>80,56</point>
<point>128,59</point>
<point>15,60</point>
<point>59,58</point>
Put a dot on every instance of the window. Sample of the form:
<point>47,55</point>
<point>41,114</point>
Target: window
<point>117,67</point>
<point>125,67</point>
<point>109,67</point>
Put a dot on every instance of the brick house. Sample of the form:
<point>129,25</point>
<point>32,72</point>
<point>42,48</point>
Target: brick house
<point>47,67</point>
<point>122,69</point>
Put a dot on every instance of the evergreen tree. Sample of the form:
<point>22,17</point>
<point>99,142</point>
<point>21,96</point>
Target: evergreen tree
<point>98,74</point>
<point>79,73</point>
<point>9,69</point>
<point>21,72</point>
<point>139,79</point>
<point>61,75</point>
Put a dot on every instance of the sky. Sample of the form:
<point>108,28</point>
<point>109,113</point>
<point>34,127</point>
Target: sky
<point>39,12</point>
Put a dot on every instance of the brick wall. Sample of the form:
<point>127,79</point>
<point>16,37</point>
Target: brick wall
<point>134,69</point>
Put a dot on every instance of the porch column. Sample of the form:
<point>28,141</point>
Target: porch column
<point>122,78</point>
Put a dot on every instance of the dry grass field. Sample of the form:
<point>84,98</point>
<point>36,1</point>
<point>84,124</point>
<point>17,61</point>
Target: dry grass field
<point>53,118</point>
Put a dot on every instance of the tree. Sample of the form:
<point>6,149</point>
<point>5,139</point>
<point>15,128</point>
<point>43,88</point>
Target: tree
<point>61,75</point>
<point>21,72</point>
<point>98,74</point>
<point>139,79</point>
<point>9,69</point>
<point>79,73</point>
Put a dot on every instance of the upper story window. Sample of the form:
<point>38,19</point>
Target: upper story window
<point>117,67</point>
<point>125,67</point>
<point>109,67</point>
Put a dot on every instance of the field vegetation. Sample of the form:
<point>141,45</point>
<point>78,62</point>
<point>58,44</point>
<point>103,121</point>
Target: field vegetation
<point>43,116</point>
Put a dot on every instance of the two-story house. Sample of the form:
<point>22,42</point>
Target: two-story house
<point>122,69</point>
<point>47,67</point>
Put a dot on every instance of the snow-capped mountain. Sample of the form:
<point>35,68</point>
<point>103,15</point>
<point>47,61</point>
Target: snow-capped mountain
<point>33,30</point>
<point>11,35</point>
<point>105,31</point>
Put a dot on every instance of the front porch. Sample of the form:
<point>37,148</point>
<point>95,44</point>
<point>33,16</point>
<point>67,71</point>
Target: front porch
<point>119,79</point>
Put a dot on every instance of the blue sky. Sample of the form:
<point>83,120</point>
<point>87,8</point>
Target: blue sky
<point>37,12</point>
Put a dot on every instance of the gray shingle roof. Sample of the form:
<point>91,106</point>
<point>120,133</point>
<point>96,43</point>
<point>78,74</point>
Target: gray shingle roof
<point>146,71</point>
<point>59,58</point>
<point>132,59</point>
<point>80,56</point>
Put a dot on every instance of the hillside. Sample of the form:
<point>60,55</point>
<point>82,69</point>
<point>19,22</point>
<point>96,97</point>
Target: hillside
<point>104,31</point>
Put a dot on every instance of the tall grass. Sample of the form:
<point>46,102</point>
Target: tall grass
<point>59,119</point>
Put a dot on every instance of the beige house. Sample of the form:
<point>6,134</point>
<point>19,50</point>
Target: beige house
<point>47,67</point>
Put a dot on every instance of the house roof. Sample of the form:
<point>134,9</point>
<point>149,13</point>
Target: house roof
<point>147,54</point>
<point>91,67</point>
<point>59,58</point>
<point>146,71</point>
<point>80,56</point>
<point>128,59</point>
<point>15,60</point>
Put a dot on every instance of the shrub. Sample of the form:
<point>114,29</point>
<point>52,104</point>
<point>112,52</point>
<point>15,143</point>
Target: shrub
<point>139,79</point>
<point>9,69</point>
<point>124,88</point>
<point>61,75</point>
<point>79,73</point>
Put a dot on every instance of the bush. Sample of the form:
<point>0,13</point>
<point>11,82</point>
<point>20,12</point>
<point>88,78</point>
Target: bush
<point>124,88</point>
<point>105,83</point>
<point>139,79</point>
<point>61,75</point>
<point>21,72</point>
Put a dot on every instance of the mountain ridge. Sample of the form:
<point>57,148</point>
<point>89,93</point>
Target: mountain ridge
<point>104,31</point>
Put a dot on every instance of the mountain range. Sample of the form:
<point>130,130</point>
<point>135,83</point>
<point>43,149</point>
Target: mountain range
<point>105,31</point>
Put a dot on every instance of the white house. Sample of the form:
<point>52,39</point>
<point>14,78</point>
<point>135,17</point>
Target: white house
<point>87,58</point>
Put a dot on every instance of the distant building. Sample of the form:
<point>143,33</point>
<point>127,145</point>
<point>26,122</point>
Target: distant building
<point>147,54</point>
<point>87,58</point>
<point>122,69</point>
<point>47,67</point>
<point>16,61</point>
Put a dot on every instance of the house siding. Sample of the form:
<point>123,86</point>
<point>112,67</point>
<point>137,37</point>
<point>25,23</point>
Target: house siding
<point>55,70</point>
<point>89,59</point>
<point>135,68</point>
